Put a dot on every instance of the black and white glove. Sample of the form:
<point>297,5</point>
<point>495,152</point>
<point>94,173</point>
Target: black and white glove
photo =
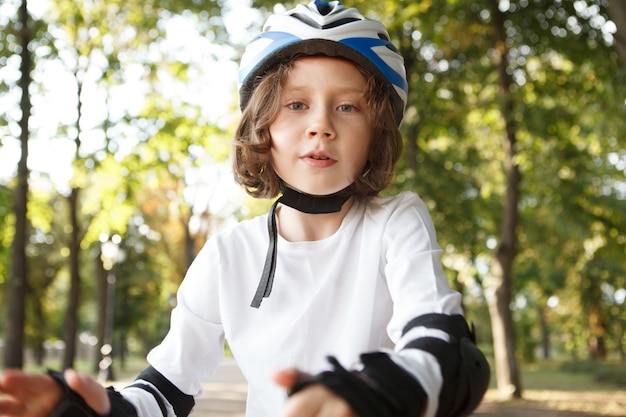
<point>73,405</point>
<point>380,388</point>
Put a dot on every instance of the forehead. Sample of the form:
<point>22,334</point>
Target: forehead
<point>328,70</point>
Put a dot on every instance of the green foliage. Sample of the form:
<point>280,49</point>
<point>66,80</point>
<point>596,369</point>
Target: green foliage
<point>96,43</point>
<point>609,373</point>
<point>6,226</point>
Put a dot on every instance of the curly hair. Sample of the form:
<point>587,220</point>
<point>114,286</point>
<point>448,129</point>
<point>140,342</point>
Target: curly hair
<point>252,143</point>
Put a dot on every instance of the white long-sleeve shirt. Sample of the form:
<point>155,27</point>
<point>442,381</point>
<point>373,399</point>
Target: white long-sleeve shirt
<point>344,295</point>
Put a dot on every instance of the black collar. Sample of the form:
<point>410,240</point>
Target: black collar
<point>314,204</point>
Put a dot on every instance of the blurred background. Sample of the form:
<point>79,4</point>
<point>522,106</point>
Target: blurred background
<point>115,127</point>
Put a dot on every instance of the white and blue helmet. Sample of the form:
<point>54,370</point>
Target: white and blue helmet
<point>328,29</point>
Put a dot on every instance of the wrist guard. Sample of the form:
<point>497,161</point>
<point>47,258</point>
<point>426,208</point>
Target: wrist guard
<point>73,405</point>
<point>379,389</point>
<point>464,369</point>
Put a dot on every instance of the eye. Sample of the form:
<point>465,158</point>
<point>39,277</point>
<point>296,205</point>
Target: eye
<point>347,108</point>
<point>296,105</point>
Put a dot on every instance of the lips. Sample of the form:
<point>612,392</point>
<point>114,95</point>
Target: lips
<point>319,155</point>
<point>319,159</point>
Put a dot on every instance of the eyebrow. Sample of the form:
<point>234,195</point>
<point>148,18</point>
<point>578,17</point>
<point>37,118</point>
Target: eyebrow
<point>341,90</point>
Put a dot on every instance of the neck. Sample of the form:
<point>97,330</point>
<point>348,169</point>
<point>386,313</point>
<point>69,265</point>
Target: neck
<point>296,226</point>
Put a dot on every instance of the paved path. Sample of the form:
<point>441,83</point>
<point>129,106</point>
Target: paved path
<point>225,395</point>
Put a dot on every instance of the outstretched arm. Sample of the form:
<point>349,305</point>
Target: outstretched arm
<point>37,395</point>
<point>388,384</point>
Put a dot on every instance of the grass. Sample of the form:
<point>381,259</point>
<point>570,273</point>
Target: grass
<point>555,375</point>
<point>559,375</point>
<point>566,388</point>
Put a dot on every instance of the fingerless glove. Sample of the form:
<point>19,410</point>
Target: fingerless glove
<point>380,388</point>
<point>73,405</point>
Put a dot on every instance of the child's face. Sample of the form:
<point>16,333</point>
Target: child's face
<point>322,134</point>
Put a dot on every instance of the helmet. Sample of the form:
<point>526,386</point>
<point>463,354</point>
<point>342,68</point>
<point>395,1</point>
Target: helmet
<point>329,29</point>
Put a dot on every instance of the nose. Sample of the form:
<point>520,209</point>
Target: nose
<point>321,125</point>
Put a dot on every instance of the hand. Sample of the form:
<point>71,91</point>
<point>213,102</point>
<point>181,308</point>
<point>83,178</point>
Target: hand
<point>314,400</point>
<point>35,395</point>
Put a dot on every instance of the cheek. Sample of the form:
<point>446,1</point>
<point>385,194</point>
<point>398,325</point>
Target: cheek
<point>277,140</point>
<point>275,158</point>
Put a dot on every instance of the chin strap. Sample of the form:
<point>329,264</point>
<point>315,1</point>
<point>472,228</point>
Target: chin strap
<point>306,203</point>
<point>314,204</point>
<point>267,277</point>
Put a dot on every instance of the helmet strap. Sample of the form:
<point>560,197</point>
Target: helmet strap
<point>314,204</point>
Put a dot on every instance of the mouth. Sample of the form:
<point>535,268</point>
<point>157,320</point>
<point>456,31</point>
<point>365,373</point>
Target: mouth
<point>319,155</point>
<point>319,160</point>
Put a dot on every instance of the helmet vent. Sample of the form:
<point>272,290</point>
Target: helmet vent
<point>323,7</point>
<point>314,24</point>
<point>339,22</point>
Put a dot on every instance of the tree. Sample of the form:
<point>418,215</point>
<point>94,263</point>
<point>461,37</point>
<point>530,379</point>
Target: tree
<point>17,283</point>
<point>501,283</point>
<point>617,12</point>
<point>95,36</point>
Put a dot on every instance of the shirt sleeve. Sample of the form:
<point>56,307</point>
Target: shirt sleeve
<point>415,277</point>
<point>418,287</point>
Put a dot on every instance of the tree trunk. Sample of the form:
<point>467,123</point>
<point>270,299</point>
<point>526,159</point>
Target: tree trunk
<point>17,282</point>
<point>503,330</point>
<point>620,342</point>
<point>501,286</point>
<point>71,315</point>
<point>617,13</point>
<point>39,352</point>
<point>71,324</point>
<point>597,331</point>
<point>101,283</point>
<point>545,332</point>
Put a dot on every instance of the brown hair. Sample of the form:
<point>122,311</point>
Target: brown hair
<point>252,142</point>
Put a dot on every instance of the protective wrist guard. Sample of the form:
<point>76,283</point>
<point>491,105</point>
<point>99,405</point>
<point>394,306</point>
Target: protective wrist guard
<point>73,405</point>
<point>464,369</point>
<point>369,391</point>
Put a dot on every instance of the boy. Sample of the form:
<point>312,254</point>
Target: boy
<point>352,315</point>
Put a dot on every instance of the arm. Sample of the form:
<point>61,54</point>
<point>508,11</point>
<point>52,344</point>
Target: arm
<point>68,394</point>
<point>82,400</point>
<point>72,395</point>
<point>435,368</point>
<point>383,384</point>
<point>154,395</point>
<point>194,338</point>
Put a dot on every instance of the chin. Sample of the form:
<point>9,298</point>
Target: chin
<point>314,189</point>
<point>325,191</point>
